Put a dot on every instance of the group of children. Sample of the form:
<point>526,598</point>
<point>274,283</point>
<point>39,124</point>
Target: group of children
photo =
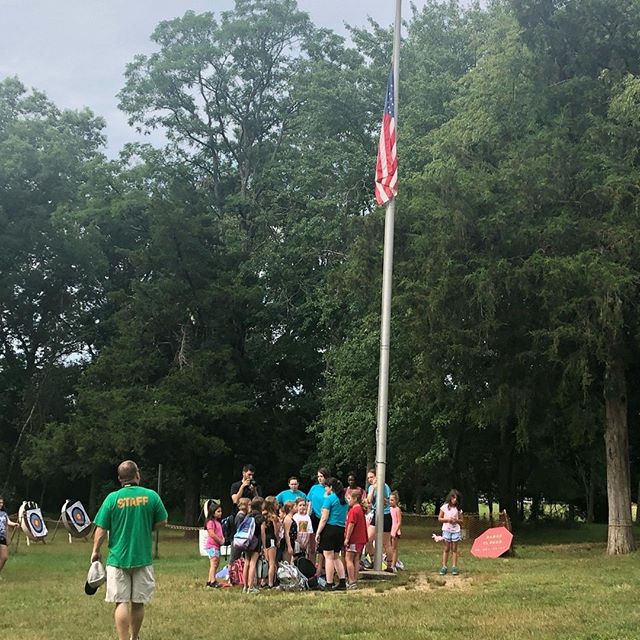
<point>332,527</point>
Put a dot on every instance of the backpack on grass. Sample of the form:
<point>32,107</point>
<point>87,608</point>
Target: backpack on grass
<point>290,578</point>
<point>305,567</point>
<point>236,572</point>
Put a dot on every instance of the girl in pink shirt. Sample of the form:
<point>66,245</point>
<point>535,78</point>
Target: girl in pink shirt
<point>396,524</point>
<point>451,517</point>
<point>212,546</point>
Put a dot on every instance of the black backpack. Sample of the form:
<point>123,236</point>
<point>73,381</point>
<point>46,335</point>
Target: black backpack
<point>306,567</point>
<point>228,528</point>
<point>308,570</point>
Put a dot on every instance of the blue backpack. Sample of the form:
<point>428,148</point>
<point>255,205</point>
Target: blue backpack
<point>245,538</point>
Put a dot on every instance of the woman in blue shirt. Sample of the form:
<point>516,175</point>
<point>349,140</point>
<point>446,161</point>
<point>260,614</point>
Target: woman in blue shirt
<point>330,532</point>
<point>315,498</point>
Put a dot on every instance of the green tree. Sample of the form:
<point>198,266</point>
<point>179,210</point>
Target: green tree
<point>282,176</point>
<point>48,266</point>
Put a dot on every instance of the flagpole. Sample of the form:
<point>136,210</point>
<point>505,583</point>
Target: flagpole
<point>385,322</point>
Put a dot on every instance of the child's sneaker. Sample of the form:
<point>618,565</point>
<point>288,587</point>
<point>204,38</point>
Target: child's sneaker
<point>341,586</point>
<point>443,571</point>
<point>454,571</point>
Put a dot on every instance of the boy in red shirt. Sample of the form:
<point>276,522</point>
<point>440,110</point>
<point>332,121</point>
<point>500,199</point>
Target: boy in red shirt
<point>355,537</point>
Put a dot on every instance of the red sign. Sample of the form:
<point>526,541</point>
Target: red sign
<point>492,543</point>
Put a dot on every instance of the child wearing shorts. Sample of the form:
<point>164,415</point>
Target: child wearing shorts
<point>215,538</point>
<point>451,517</point>
<point>305,528</point>
<point>355,537</point>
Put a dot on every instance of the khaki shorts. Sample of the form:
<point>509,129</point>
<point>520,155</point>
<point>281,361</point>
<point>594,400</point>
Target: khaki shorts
<point>130,585</point>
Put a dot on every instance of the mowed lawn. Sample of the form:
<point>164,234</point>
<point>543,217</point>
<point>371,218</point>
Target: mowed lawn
<point>559,584</point>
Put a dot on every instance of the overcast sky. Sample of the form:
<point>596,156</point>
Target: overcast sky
<point>76,50</point>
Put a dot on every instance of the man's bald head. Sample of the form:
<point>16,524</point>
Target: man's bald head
<point>128,471</point>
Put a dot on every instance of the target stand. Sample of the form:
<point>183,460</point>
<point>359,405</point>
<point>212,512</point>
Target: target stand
<point>76,520</point>
<point>32,522</point>
<point>15,535</point>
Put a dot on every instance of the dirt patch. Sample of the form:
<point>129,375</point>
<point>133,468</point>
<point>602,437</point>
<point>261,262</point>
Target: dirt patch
<point>425,582</point>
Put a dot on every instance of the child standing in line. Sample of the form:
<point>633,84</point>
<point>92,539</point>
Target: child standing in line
<point>367,560</point>
<point>315,499</point>
<point>355,537</point>
<point>305,528</point>
<point>352,484</point>
<point>386,514</point>
<point>251,555</point>
<point>396,524</point>
<point>270,532</point>
<point>243,510</point>
<point>215,538</point>
<point>451,517</point>
<point>289,531</point>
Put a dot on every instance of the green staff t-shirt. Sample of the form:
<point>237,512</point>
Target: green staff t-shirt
<point>130,514</point>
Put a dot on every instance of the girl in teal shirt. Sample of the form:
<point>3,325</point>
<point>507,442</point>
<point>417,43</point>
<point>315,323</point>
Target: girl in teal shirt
<point>330,533</point>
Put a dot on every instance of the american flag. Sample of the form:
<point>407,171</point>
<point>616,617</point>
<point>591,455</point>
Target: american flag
<point>387,162</point>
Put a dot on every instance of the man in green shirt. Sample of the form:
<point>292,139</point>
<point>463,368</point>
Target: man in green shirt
<point>129,515</point>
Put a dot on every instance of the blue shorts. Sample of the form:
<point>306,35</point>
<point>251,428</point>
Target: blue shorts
<point>213,552</point>
<point>451,536</point>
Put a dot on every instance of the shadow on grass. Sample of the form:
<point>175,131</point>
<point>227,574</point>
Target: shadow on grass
<point>556,532</point>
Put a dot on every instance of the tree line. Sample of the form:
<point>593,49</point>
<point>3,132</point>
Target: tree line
<point>216,301</point>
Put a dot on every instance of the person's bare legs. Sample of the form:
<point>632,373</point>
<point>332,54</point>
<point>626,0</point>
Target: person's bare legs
<point>328,565</point>
<point>137,616</point>
<point>371,530</point>
<point>394,553</point>
<point>318,555</point>
<point>445,554</point>
<point>454,554</point>
<point>245,571</point>
<point>122,619</point>
<point>386,546</point>
<point>251,571</point>
<point>4,555</point>
<point>213,569</point>
<point>270,553</point>
<point>350,560</point>
<point>339,565</point>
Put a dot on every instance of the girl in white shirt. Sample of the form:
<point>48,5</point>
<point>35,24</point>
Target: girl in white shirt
<point>305,527</point>
<point>451,517</point>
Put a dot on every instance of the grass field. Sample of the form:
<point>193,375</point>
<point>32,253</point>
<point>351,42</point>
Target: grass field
<point>559,584</point>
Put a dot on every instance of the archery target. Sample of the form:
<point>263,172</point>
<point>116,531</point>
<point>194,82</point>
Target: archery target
<point>31,521</point>
<point>34,518</point>
<point>75,518</point>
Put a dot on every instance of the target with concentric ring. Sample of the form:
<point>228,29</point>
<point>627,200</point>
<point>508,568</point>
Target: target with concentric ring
<point>36,524</point>
<point>79,517</point>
